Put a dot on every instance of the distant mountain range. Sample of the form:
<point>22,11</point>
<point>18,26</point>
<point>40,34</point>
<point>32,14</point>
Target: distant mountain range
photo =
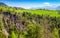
<point>47,7</point>
<point>58,7</point>
<point>3,4</point>
<point>18,8</point>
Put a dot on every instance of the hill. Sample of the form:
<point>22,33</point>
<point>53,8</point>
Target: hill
<point>3,4</point>
<point>29,23</point>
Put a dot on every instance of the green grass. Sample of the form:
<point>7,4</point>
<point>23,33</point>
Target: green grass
<point>52,13</point>
<point>33,26</point>
<point>42,12</point>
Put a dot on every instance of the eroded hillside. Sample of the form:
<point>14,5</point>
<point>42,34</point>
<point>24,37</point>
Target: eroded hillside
<point>27,25</point>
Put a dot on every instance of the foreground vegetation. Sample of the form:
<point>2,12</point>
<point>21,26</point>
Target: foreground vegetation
<point>29,23</point>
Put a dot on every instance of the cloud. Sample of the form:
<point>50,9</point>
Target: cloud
<point>47,4</point>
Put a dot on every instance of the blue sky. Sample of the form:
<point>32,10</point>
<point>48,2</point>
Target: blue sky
<point>32,3</point>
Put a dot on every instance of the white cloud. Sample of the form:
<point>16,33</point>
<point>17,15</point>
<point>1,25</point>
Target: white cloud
<point>47,4</point>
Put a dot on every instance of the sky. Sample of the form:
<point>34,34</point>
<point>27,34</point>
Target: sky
<point>32,3</point>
